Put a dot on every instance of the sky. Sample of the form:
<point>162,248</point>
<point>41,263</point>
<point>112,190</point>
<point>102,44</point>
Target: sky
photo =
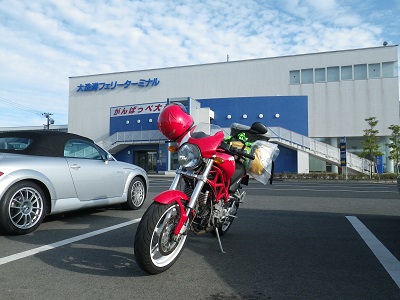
<point>44,42</point>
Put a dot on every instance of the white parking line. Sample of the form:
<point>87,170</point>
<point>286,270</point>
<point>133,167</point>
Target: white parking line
<point>31,252</point>
<point>317,189</point>
<point>389,262</point>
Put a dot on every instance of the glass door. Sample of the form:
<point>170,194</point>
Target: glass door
<point>147,160</point>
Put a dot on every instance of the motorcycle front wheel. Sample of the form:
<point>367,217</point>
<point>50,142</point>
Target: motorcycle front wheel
<point>156,247</point>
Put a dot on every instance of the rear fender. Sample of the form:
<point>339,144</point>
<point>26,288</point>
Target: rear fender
<point>174,196</point>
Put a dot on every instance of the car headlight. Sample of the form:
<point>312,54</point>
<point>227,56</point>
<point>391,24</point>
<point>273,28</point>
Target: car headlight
<point>189,156</point>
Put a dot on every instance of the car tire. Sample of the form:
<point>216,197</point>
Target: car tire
<point>136,194</point>
<point>22,208</point>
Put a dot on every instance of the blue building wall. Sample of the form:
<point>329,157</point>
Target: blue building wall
<point>125,155</point>
<point>130,123</point>
<point>286,161</point>
<point>292,110</point>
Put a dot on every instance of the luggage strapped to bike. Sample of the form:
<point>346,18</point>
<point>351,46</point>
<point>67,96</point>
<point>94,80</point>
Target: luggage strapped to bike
<point>255,143</point>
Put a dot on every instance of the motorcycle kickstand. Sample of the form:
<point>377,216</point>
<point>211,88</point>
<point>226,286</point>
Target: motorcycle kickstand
<point>219,240</point>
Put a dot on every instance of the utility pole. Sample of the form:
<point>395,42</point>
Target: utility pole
<point>49,120</point>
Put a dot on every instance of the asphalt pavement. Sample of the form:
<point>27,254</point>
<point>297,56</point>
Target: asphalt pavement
<point>291,240</point>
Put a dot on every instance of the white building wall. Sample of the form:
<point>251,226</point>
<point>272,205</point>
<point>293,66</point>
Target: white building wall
<point>303,165</point>
<point>335,108</point>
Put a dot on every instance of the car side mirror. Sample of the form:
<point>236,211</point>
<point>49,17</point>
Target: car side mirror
<point>107,158</point>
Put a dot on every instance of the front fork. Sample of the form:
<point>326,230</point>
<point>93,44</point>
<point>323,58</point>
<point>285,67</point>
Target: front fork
<point>201,180</point>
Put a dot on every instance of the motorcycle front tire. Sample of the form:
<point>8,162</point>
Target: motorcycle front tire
<point>155,248</point>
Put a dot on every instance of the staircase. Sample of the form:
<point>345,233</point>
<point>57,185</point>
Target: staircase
<point>318,149</point>
<point>120,140</point>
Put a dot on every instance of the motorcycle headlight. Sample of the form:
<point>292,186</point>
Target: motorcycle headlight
<point>189,156</point>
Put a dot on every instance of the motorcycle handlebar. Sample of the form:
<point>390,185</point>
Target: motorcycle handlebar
<point>242,153</point>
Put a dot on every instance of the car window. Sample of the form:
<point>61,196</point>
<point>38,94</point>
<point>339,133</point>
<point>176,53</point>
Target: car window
<point>81,149</point>
<point>14,143</point>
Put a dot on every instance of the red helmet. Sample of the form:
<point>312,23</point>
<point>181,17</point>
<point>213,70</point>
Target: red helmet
<point>174,121</point>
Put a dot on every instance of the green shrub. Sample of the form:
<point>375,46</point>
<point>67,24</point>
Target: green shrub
<point>391,177</point>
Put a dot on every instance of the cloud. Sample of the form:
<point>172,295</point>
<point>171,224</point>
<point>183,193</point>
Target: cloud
<point>45,42</point>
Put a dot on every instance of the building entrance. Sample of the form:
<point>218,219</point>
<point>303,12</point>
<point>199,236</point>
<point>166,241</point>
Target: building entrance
<point>147,160</point>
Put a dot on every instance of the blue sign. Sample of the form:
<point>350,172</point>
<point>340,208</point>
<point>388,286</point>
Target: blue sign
<point>343,162</point>
<point>98,86</point>
<point>379,164</point>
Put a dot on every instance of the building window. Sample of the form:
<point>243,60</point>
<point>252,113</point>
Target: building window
<point>347,73</point>
<point>333,74</point>
<point>295,77</point>
<point>307,76</point>
<point>374,70</point>
<point>389,69</point>
<point>338,73</point>
<point>360,72</point>
<point>320,75</point>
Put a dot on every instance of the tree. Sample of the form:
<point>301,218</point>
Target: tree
<point>394,145</point>
<point>370,143</point>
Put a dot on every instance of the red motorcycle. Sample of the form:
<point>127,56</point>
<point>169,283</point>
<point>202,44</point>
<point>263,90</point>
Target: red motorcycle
<point>204,195</point>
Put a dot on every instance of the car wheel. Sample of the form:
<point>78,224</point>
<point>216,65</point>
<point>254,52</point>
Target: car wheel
<point>22,208</point>
<point>136,194</point>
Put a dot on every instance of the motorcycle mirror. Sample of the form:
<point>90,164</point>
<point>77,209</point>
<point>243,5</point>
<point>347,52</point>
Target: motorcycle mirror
<point>258,127</point>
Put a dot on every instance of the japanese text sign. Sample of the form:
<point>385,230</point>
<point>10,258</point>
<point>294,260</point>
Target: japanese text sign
<point>99,86</point>
<point>137,109</point>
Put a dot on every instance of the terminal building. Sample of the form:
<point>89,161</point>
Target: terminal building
<point>310,102</point>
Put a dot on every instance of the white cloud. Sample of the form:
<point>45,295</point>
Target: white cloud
<point>45,42</point>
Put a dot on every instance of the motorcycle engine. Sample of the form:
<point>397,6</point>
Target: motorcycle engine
<point>202,211</point>
<point>219,212</point>
<point>208,214</point>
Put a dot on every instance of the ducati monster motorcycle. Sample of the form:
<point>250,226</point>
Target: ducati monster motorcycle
<point>205,193</point>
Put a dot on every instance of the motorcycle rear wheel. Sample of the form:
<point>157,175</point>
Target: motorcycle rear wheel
<point>224,227</point>
<point>155,249</point>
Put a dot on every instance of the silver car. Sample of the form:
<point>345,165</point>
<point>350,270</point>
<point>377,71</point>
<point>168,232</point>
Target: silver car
<point>47,172</point>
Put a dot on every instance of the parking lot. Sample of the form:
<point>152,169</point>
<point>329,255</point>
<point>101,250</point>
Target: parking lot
<point>291,240</point>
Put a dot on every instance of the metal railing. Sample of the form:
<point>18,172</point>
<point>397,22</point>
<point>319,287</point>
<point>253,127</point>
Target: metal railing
<point>125,137</point>
<point>319,149</point>
<point>278,135</point>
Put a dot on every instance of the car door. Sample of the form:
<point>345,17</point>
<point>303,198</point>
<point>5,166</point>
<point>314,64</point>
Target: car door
<point>94,176</point>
